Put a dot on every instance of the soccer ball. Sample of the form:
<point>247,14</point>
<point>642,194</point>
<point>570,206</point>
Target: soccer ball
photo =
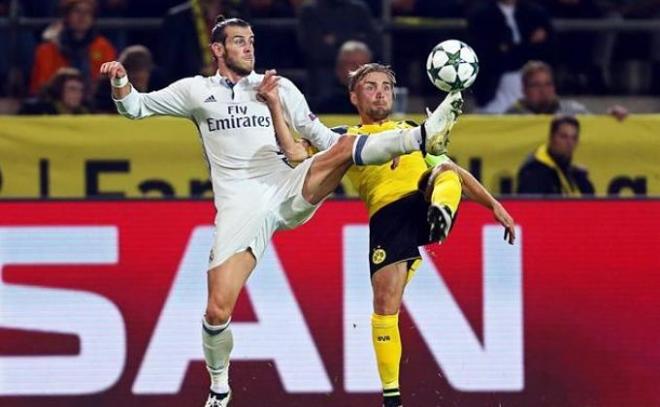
<point>452,66</point>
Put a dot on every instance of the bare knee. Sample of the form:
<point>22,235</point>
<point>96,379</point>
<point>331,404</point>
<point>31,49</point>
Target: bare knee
<point>386,301</point>
<point>218,312</point>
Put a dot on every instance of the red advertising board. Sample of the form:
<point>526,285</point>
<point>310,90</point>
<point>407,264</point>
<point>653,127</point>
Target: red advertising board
<point>101,305</point>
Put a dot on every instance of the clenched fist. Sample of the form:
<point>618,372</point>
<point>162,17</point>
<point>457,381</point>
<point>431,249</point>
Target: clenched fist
<point>113,70</point>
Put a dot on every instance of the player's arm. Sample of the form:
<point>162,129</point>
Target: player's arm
<point>172,100</point>
<point>268,92</point>
<point>478,193</point>
<point>298,114</point>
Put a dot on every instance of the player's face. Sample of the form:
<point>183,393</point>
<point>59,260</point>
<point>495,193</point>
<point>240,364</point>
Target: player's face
<point>373,96</point>
<point>564,141</point>
<point>540,89</point>
<point>238,50</point>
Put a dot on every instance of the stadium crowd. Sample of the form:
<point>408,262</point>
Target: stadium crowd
<point>52,49</point>
<point>505,33</point>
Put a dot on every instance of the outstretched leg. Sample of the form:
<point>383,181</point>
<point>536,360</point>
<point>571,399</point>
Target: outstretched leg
<point>224,285</point>
<point>328,168</point>
<point>442,188</point>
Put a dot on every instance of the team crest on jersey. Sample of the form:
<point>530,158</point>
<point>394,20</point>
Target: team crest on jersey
<point>378,256</point>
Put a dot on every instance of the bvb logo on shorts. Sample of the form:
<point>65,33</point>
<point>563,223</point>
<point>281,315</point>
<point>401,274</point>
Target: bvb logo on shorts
<point>378,256</point>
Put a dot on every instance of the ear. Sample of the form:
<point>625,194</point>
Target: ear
<point>354,100</point>
<point>217,49</point>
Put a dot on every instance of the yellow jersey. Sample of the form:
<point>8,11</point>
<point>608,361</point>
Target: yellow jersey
<point>380,185</point>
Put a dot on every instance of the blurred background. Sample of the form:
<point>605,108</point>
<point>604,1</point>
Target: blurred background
<point>105,222</point>
<point>595,58</point>
<point>602,51</point>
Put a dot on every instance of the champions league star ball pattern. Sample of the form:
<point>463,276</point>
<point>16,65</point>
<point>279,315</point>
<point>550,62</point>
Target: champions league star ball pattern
<point>452,66</point>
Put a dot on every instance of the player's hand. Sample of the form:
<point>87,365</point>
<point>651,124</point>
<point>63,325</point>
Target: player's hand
<point>298,152</point>
<point>502,216</point>
<point>267,90</point>
<point>113,70</point>
<point>395,162</point>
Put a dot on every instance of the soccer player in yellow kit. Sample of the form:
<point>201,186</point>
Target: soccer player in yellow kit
<point>412,202</point>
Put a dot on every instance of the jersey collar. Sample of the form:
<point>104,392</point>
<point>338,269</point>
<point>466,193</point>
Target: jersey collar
<point>253,77</point>
<point>372,128</point>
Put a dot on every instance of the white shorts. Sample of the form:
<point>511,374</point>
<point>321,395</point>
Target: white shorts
<point>256,209</point>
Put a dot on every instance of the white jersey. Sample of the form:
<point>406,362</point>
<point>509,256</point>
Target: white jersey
<point>236,129</point>
<point>255,191</point>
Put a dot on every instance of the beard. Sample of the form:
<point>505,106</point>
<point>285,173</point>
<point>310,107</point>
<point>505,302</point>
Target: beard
<point>236,67</point>
<point>379,113</point>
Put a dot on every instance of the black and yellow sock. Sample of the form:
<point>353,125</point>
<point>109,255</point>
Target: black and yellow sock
<point>387,344</point>
<point>391,401</point>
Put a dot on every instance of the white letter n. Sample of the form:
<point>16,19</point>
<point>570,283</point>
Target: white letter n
<point>497,365</point>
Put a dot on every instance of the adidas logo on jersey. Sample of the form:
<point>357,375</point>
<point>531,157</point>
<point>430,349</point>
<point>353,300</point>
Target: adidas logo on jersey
<point>210,99</point>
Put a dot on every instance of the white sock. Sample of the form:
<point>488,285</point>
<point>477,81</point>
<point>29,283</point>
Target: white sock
<point>382,147</point>
<point>218,342</point>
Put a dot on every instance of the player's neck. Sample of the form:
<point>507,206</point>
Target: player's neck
<point>233,76</point>
<point>366,120</point>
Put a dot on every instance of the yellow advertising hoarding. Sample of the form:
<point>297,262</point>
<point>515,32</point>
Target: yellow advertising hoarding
<point>109,156</point>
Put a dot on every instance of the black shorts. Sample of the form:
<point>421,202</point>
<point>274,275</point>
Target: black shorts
<point>397,230</point>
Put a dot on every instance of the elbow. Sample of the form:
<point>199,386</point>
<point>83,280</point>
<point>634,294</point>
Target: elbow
<point>129,115</point>
<point>133,115</point>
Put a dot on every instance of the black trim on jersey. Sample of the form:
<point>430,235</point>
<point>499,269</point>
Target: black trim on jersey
<point>357,152</point>
<point>231,85</point>
<point>422,146</point>
<point>412,123</point>
<point>340,129</point>
<point>284,159</point>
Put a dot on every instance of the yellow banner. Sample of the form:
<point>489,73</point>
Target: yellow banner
<point>109,156</point>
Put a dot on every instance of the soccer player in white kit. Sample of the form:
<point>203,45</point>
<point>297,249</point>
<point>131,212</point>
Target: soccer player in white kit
<point>256,191</point>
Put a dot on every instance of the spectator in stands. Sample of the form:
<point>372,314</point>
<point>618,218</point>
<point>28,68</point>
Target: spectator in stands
<point>540,95</point>
<point>506,34</point>
<point>550,170</point>
<point>323,26</point>
<point>185,41</point>
<point>64,94</point>
<point>352,55</point>
<point>139,65</point>
<point>76,44</point>
<point>145,76</point>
